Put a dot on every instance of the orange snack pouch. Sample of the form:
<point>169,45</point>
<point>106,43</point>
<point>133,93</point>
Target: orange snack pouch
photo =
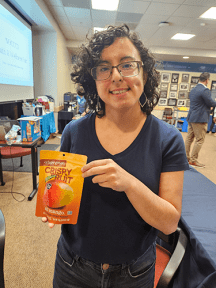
<point>60,186</point>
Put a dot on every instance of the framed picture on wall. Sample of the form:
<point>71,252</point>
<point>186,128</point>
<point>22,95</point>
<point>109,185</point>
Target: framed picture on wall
<point>188,103</point>
<point>173,87</point>
<point>164,86</point>
<point>183,86</point>
<point>165,77</point>
<point>162,102</point>
<point>181,103</point>
<point>183,95</point>
<point>163,94</point>
<point>175,78</point>
<point>173,94</point>
<point>194,80</point>
<point>172,102</point>
<point>213,85</point>
<point>185,77</point>
<point>192,86</point>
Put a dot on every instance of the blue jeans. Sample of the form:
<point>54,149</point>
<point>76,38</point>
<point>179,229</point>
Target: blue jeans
<point>76,272</point>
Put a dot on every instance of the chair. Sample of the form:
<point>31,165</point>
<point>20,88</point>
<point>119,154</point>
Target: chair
<point>12,152</point>
<point>170,250</point>
<point>2,244</point>
<point>168,115</point>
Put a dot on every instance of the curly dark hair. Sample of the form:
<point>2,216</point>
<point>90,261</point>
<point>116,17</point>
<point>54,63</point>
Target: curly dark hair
<point>89,56</point>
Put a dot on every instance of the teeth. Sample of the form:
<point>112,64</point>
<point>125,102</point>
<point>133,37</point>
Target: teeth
<point>119,91</point>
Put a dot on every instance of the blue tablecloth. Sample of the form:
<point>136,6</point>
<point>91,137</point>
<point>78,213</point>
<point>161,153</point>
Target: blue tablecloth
<point>47,125</point>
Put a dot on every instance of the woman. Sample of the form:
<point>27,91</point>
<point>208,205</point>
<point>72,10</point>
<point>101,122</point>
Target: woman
<point>133,180</point>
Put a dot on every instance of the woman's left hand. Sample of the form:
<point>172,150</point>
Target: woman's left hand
<point>108,174</point>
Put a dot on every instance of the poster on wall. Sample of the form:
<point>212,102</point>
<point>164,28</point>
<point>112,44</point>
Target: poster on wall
<point>183,95</point>
<point>165,77</point>
<point>183,86</point>
<point>175,78</point>
<point>164,86</point>
<point>162,102</point>
<point>173,87</point>
<point>173,94</point>
<point>192,86</point>
<point>181,103</point>
<point>213,85</point>
<point>163,94</point>
<point>188,103</point>
<point>185,77</point>
<point>172,102</point>
<point>194,80</point>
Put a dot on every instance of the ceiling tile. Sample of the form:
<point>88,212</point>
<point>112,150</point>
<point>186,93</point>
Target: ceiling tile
<point>146,31</point>
<point>148,19</point>
<point>162,9</point>
<point>189,11</point>
<point>102,18</point>
<point>128,17</point>
<point>208,3</point>
<point>170,1</point>
<point>86,4</point>
<point>131,6</point>
<point>63,20</point>
<point>81,32</point>
<point>78,16</point>
<point>179,21</point>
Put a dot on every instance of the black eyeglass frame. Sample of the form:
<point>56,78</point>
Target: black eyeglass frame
<point>139,65</point>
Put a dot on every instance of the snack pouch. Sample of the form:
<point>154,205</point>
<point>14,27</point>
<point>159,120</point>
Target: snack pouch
<point>60,186</point>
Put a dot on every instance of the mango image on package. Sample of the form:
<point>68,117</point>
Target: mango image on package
<point>60,186</point>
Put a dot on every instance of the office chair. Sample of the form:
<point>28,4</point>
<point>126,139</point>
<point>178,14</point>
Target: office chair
<point>168,115</point>
<point>170,250</point>
<point>2,244</point>
<point>12,152</point>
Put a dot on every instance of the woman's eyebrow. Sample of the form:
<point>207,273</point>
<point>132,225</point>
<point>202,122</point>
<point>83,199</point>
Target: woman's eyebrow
<point>127,57</point>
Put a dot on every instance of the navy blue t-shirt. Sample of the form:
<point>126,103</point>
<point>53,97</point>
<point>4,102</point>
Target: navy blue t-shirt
<point>109,229</point>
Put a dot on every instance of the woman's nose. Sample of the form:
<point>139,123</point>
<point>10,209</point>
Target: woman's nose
<point>115,75</point>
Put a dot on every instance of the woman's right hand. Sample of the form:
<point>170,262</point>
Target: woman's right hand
<point>45,219</point>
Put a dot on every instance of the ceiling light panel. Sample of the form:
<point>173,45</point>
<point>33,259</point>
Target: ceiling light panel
<point>86,4</point>
<point>182,36</point>
<point>110,5</point>
<point>209,14</point>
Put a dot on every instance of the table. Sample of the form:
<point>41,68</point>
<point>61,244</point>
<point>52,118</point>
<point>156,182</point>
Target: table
<point>33,146</point>
<point>64,117</point>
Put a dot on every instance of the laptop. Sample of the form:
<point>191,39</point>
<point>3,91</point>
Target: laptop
<point>2,133</point>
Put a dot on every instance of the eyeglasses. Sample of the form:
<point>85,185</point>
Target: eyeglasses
<point>126,69</point>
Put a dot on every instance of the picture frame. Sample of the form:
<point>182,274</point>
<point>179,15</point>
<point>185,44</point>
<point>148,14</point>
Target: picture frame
<point>165,77</point>
<point>163,94</point>
<point>194,79</point>
<point>164,86</point>
<point>173,87</point>
<point>183,95</point>
<point>173,94</point>
<point>188,103</point>
<point>162,102</point>
<point>192,86</point>
<point>172,102</point>
<point>181,103</point>
<point>213,85</point>
<point>184,86</point>
<point>175,78</point>
<point>185,77</point>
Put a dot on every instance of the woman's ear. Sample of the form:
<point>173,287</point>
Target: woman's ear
<point>145,77</point>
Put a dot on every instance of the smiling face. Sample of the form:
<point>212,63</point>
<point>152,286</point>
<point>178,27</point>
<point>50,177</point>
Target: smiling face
<point>119,92</point>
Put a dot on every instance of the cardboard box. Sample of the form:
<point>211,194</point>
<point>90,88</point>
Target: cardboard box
<point>30,128</point>
<point>28,111</point>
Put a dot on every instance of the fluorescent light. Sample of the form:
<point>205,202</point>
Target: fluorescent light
<point>98,29</point>
<point>182,36</point>
<point>185,57</point>
<point>110,5</point>
<point>209,14</point>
